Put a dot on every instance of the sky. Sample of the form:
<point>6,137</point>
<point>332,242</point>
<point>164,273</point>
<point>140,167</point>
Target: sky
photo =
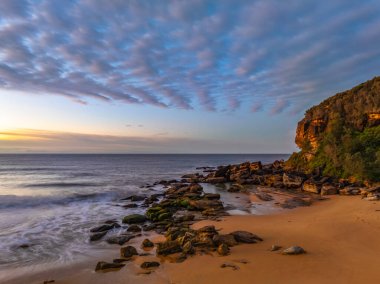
<point>193,76</point>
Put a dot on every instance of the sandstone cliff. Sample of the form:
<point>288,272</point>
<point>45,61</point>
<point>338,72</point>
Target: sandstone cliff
<point>342,126</point>
<point>356,109</point>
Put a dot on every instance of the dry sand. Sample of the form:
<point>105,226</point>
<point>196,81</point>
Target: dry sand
<point>340,235</point>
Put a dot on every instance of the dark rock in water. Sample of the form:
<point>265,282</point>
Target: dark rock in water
<point>223,249</point>
<point>275,248</point>
<point>102,265</point>
<point>215,180</point>
<point>134,219</point>
<point>135,198</point>
<point>147,244</point>
<point>128,251</point>
<point>24,246</point>
<point>236,188</point>
<point>149,264</point>
<point>168,247</point>
<point>134,228</point>
<point>120,240</point>
<point>132,205</point>
<point>149,227</point>
<point>221,172</point>
<point>97,236</point>
<point>102,228</point>
<point>246,237</point>
<point>293,251</point>
<point>264,196</point>
<point>225,239</point>
<point>49,281</point>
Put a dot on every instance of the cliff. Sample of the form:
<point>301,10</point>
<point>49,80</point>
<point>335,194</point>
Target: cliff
<point>344,128</point>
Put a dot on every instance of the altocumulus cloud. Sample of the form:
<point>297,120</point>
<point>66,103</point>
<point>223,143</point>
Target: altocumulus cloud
<point>214,55</point>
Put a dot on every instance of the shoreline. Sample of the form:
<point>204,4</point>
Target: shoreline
<point>339,235</point>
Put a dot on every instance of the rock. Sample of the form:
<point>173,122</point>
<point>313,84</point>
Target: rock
<point>102,228</point>
<point>134,228</point>
<point>134,219</point>
<point>215,180</point>
<point>149,227</point>
<point>293,250</point>
<point>128,251</point>
<point>311,186</point>
<point>228,239</point>
<point>24,246</point>
<point>223,249</point>
<point>349,190</point>
<point>120,240</point>
<point>212,196</point>
<point>374,197</point>
<point>164,216</point>
<point>97,236</point>
<point>245,237</point>
<point>221,171</point>
<point>168,247</point>
<point>255,166</point>
<point>188,248</point>
<point>292,181</point>
<point>49,281</point>
<point>294,202</point>
<point>328,189</point>
<point>275,248</point>
<point>102,265</point>
<point>205,204</point>
<point>135,198</point>
<point>264,196</point>
<point>132,205</point>
<point>150,264</point>
<point>236,188</point>
<point>147,244</point>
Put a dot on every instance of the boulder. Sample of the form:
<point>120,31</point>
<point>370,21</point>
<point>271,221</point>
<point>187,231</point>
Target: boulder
<point>147,244</point>
<point>292,181</point>
<point>168,247</point>
<point>128,251</point>
<point>134,228</point>
<point>328,189</point>
<point>293,251</point>
<point>134,219</point>
<point>215,180</point>
<point>135,198</point>
<point>222,171</point>
<point>311,186</point>
<point>254,166</point>
<point>102,265</point>
<point>264,196</point>
<point>223,249</point>
<point>119,240</point>
<point>245,237</point>
<point>212,196</point>
<point>103,228</point>
<point>227,239</point>
<point>350,190</point>
<point>97,236</point>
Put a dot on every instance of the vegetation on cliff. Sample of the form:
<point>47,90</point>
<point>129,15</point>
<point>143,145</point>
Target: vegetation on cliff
<point>341,136</point>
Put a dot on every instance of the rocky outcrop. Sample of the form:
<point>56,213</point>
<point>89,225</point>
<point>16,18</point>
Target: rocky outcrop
<point>357,109</point>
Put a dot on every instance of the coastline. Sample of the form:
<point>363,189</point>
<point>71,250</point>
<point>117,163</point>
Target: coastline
<point>339,235</point>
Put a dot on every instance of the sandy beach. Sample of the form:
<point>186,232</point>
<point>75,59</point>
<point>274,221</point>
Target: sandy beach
<point>340,235</point>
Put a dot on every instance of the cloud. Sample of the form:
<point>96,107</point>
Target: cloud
<point>211,55</point>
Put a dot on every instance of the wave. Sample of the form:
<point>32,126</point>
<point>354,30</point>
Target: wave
<point>62,184</point>
<point>32,169</point>
<point>15,201</point>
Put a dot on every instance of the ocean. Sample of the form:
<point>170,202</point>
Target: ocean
<point>50,202</point>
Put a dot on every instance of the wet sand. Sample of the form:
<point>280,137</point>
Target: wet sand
<point>340,236</point>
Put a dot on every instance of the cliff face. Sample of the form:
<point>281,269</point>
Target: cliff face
<point>356,109</point>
